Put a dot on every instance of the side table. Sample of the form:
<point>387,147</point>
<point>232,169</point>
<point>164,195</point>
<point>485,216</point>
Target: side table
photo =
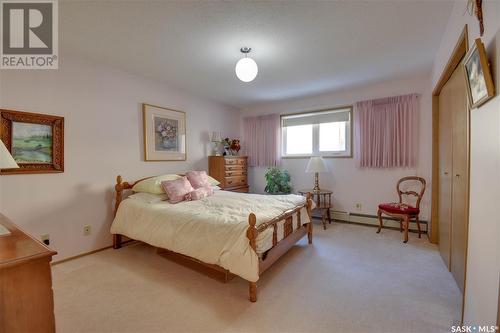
<point>323,200</point>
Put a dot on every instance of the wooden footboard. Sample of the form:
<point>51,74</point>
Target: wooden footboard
<point>291,233</point>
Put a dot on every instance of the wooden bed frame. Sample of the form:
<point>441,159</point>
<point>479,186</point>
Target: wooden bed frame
<point>291,235</point>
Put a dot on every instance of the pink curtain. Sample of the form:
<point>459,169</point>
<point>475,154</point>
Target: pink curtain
<point>386,132</point>
<point>261,137</point>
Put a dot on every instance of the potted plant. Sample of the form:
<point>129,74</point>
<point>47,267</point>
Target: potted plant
<point>277,181</point>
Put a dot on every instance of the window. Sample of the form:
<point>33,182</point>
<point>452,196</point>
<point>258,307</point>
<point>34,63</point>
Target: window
<point>326,133</point>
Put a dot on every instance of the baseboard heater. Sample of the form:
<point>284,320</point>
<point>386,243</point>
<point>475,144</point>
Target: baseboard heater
<point>367,219</point>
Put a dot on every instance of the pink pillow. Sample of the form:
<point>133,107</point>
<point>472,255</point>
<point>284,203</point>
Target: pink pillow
<point>200,193</point>
<point>197,178</point>
<point>177,189</point>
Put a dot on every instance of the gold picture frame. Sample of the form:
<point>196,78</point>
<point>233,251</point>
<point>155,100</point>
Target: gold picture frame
<point>480,86</point>
<point>164,133</point>
<point>36,141</point>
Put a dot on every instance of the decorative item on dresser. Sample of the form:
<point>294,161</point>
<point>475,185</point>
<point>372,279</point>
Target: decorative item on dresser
<point>215,138</point>
<point>26,303</point>
<point>231,171</point>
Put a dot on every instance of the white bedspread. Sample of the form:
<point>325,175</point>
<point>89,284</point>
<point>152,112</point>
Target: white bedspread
<point>212,230</point>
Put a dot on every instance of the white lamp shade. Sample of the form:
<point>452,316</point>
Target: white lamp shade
<point>246,69</point>
<point>316,164</point>
<point>6,159</point>
<point>215,137</point>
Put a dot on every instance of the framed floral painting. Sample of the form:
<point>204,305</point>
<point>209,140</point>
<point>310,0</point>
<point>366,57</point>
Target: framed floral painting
<point>164,134</point>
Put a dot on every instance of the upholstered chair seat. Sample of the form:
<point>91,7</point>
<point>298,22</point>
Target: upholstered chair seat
<point>399,208</point>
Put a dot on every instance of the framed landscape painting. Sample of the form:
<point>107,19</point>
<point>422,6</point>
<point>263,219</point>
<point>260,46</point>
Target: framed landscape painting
<point>480,86</point>
<point>164,134</point>
<point>36,141</point>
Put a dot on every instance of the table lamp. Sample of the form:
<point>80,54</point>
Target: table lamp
<point>6,162</point>
<point>6,159</point>
<point>216,140</point>
<point>316,164</point>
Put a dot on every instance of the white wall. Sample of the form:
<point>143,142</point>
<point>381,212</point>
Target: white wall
<point>103,127</point>
<point>350,184</point>
<point>483,258</point>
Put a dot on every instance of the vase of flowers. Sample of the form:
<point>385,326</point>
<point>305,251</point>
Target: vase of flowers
<point>167,129</point>
<point>235,147</point>
<point>278,181</point>
<point>226,143</point>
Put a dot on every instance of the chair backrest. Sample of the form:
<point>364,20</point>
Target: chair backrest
<point>418,195</point>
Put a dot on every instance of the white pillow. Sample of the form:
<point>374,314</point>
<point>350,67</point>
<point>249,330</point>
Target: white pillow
<point>153,185</point>
<point>216,188</point>
<point>213,181</point>
<point>148,197</point>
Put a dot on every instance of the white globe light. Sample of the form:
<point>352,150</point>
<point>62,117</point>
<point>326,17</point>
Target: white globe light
<point>246,69</point>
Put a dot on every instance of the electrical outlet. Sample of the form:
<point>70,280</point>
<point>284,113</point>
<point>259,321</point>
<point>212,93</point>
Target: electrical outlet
<point>45,239</point>
<point>358,206</point>
<point>87,230</point>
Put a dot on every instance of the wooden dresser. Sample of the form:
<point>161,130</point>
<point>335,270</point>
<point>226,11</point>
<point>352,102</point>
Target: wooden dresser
<point>26,299</point>
<point>231,171</point>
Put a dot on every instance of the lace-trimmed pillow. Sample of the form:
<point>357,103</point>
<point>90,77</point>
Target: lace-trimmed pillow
<point>198,179</point>
<point>177,189</point>
<point>199,193</point>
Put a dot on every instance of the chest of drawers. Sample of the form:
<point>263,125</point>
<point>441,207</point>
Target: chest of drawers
<point>231,171</point>
<point>26,300</point>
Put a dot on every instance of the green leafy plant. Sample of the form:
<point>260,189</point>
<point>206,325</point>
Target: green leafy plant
<point>277,181</point>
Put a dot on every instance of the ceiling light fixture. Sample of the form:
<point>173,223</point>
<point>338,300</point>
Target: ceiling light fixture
<point>246,68</point>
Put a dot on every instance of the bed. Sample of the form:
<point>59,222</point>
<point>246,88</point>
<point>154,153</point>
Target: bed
<point>238,233</point>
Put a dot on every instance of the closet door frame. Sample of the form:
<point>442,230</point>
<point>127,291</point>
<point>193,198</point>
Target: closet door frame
<point>459,52</point>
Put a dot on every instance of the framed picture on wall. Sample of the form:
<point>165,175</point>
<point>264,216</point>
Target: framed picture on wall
<point>164,134</point>
<point>35,141</point>
<point>480,86</point>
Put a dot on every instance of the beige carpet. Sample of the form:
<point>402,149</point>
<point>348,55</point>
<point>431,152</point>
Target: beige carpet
<point>349,280</point>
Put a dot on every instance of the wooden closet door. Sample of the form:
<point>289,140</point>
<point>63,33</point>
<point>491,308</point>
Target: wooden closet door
<point>445,170</point>
<point>460,192</point>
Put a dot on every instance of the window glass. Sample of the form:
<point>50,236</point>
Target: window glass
<point>332,136</point>
<point>322,133</point>
<point>299,140</point>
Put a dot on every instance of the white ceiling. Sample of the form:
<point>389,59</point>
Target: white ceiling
<point>302,48</point>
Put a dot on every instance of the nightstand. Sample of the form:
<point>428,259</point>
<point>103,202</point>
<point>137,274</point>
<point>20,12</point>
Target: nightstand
<point>323,200</point>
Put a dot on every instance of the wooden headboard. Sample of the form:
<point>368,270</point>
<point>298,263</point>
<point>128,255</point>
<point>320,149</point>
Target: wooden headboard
<point>121,186</point>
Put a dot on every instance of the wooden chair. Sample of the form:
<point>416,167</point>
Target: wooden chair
<point>402,211</point>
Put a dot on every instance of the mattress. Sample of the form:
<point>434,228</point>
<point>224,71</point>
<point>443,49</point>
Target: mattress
<point>212,230</point>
